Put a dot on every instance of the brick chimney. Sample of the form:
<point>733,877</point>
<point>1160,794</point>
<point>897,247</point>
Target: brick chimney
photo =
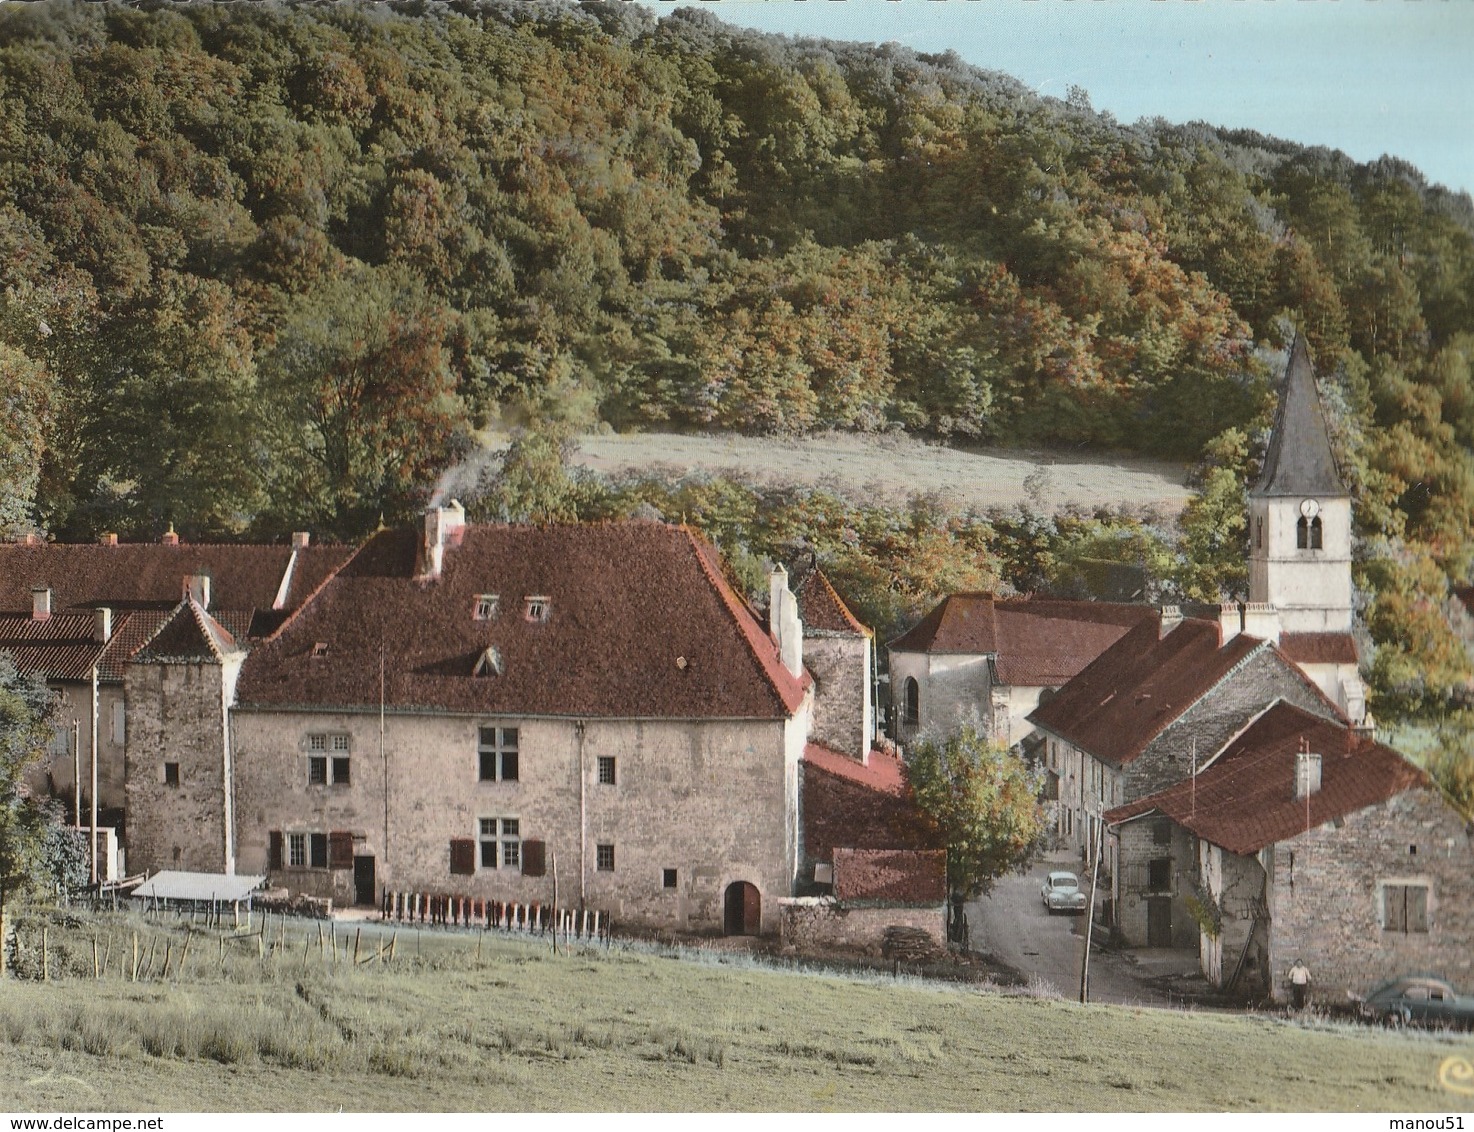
<point>300,539</point>
<point>102,625</point>
<point>40,603</point>
<point>108,538</point>
<point>783,621</point>
<point>444,527</point>
<point>169,538</point>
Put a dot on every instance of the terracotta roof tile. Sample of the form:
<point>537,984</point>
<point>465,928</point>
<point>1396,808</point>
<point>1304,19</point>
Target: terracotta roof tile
<point>1245,799</point>
<point>1319,648</point>
<point>1137,688</point>
<point>961,623</point>
<point>151,575</point>
<point>189,634</point>
<point>847,805</point>
<point>897,876</point>
<point>819,606</point>
<point>642,624</point>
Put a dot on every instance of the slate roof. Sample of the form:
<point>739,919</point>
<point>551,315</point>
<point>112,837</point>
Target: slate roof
<point>1299,461</point>
<point>151,575</point>
<point>1245,799</point>
<point>1038,642</point>
<point>819,606</point>
<point>642,624</point>
<point>1319,648</point>
<point>1138,687</point>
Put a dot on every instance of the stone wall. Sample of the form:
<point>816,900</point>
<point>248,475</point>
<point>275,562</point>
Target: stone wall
<point>1141,842</point>
<point>1327,888</point>
<point>176,716</point>
<point>58,774</point>
<point>816,924</point>
<point>840,665</point>
<point>954,690</point>
<point>716,801</point>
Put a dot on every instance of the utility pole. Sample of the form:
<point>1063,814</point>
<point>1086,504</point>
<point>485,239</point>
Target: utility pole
<point>1090,907</point>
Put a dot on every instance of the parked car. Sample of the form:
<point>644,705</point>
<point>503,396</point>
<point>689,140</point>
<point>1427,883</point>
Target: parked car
<point>1061,893</point>
<point>1420,999</point>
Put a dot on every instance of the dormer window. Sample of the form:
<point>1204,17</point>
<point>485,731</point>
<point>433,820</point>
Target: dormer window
<point>489,663</point>
<point>319,649</point>
<point>538,608</point>
<point>485,607</point>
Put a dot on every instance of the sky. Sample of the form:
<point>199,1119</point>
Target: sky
<point>1369,77</point>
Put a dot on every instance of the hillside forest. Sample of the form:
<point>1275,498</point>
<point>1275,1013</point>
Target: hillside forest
<point>271,267</point>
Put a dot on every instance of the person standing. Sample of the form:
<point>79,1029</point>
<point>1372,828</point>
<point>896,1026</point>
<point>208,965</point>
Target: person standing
<point>1299,983</point>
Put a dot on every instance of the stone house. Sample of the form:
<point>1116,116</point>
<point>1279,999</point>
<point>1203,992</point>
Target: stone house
<point>75,614</point>
<point>839,656</point>
<point>1144,713</point>
<point>1304,839</point>
<point>987,661</point>
<point>484,709</point>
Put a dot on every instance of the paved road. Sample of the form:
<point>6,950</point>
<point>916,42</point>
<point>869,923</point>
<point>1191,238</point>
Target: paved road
<point>1013,926</point>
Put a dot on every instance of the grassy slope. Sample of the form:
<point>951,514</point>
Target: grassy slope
<point>619,1030</point>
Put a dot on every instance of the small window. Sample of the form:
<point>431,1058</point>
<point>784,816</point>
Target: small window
<point>911,702</point>
<point>317,742</point>
<point>501,843</point>
<point>606,770</point>
<point>120,724</point>
<point>1302,534</point>
<point>1405,908</point>
<point>340,772</point>
<point>297,850</point>
<point>668,878</point>
<point>1316,534</point>
<point>319,649</point>
<point>485,607</point>
<point>317,770</point>
<point>538,608</point>
<point>1259,533</point>
<point>171,774</point>
<point>318,844</point>
<point>1159,874</point>
<point>604,858</point>
<point>340,743</point>
<point>1162,832</point>
<point>496,751</point>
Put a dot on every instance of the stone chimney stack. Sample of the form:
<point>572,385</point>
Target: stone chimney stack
<point>102,625</point>
<point>443,528</point>
<point>1230,622</point>
<point>197,586</point>
<point>1307,774</point>
<point>1171,618</point>
<point>783,621</point>
<point>40,603</point>
<point>1262,620</point>
<point>108,538</point>
<point>300,539</point>
<point>170,538</point>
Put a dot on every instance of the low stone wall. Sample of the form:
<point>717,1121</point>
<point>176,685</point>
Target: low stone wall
<point>814,924</point>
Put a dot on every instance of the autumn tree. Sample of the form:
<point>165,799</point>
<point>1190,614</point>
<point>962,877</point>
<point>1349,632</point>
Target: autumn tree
<point>984,802</point>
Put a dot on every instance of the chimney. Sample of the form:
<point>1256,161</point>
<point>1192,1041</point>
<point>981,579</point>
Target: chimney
<point>102,625</point>
<point>300,539</point>
<point>169,537</point>
<point>1262,620</point>
<point>197,586</point>
<point>783,621</point>
<point>1171,618</point>
<point>1307,774</point>
<point>443,528</point>
<point>108,538</point>
<point>40,603</point>
<point>1230,622</point>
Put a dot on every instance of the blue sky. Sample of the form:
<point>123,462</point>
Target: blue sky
<point>1365,76</point>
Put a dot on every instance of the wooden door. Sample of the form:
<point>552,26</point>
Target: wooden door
<point>743,912</point>
<point>1159,921</point>
<point>363,880</point>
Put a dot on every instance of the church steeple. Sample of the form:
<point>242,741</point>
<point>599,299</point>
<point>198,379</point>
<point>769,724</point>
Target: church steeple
<point>1299,461</point>
<point>1300,514</point>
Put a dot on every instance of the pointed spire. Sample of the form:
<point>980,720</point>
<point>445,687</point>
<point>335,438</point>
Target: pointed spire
<point>1299,461</point>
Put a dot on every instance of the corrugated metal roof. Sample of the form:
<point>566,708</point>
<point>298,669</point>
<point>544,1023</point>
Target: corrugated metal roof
<point>171,885</point>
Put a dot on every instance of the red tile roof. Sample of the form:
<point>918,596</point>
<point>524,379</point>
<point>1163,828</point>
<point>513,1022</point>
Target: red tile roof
<point>189,634</point>
<point>1245,799</point>
<point>151,575</point>
<point>847,805</point>
<point>1319,648</point>
<point>1038,642</point>
<point>820,607</point>
<point>896,876</point>
<point>642,624</point>
<point>1138,687</point>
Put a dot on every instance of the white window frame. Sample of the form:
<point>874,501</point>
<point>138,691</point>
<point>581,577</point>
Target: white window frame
<point>504,838</point>
<point>498,747</point>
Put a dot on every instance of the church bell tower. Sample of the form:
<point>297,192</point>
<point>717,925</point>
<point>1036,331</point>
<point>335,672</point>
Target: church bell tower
<point>1300,515</point>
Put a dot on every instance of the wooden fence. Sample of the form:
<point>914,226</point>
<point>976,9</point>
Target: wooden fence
<point>472,912</point>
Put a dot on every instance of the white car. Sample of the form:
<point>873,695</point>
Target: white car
<point>1061,893</point>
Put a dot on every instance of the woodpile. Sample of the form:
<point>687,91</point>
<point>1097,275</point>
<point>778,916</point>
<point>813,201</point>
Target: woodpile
<point>909,945</point>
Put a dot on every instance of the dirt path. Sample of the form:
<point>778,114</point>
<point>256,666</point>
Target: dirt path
<point>892,467</point>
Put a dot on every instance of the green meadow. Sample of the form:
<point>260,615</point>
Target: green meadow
<point>286,1019</point>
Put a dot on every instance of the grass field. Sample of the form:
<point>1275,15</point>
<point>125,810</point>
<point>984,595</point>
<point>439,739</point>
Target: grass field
<point>461,1022</point>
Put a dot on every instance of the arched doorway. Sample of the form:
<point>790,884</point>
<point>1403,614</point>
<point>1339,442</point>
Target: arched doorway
<point>744,909</point>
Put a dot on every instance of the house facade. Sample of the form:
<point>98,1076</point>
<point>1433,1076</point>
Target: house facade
<point>1304,840</point>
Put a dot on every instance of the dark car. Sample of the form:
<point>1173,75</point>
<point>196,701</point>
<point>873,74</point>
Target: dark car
<point>1421,1000</point>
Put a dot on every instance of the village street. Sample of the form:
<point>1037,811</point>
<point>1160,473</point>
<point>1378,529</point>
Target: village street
<point>1013,927</point>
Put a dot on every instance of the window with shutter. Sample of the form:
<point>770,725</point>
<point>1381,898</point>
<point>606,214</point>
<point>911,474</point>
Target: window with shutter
<point>534,859</point>
<point>1405,908</point>
<point>274,851</point>
<point>462,856</point>
<point>340,849</point>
